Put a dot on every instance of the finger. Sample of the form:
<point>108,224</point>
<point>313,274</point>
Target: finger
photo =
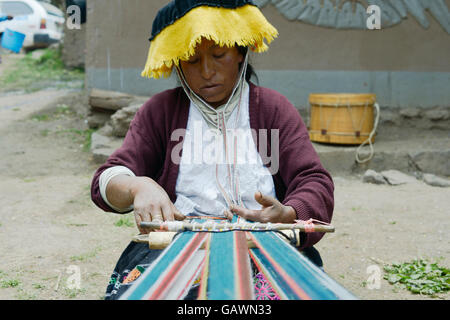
<point>167,213</point>
<point>264,200</point>
<point>157,215</point>
<point>138,218</point>
<point>142,215</point>
<point>177,214</point>
<point>145,215</point>
<point>271,214</point>
<point>245,213</point>
<point>228,215</point>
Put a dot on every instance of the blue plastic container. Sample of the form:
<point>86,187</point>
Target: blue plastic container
<point>12,40</point>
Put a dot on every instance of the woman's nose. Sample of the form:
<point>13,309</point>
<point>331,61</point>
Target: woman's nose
<point>207,68</point>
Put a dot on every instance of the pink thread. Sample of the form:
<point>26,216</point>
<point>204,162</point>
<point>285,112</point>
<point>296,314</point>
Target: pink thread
<point>309,224</point>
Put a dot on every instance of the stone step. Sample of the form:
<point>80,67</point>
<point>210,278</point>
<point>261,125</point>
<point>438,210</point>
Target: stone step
<point>427,155</point>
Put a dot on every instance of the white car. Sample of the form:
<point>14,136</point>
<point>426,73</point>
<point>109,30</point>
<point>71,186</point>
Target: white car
<point>41,22</point>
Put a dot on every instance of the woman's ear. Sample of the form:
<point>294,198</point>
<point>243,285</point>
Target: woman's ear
<point>241,57</point>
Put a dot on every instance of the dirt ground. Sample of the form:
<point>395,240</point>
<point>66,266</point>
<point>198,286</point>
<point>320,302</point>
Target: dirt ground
<point>51,234</point>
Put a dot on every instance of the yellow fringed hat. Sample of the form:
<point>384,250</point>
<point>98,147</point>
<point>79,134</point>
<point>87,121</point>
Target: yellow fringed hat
<point>180,26</point>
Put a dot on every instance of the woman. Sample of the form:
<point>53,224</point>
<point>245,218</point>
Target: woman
<point>217,145</point>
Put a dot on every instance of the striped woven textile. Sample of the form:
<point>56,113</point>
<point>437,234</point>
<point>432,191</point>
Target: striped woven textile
<point>228,274</point>
<point>222,263</point>
<point>171,275</point>
<point>291,274</point>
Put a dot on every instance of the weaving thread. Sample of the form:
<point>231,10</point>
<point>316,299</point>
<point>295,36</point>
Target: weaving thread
<point>151,283</point>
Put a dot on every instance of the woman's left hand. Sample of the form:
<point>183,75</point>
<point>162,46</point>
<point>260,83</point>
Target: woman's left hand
<point>272,211</point>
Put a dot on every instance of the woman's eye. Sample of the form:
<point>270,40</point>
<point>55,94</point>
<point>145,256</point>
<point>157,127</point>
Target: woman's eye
<point>219,55</point>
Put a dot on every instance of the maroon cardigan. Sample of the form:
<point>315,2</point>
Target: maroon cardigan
<point>301,181</point>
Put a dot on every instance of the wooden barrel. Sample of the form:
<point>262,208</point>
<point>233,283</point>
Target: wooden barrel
<point>341,118</point>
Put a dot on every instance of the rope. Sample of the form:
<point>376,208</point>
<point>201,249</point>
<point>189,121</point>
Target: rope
<point>369,140</point>
<point>233,179</point>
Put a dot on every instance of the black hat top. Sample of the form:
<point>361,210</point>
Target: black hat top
<point>178,8</point>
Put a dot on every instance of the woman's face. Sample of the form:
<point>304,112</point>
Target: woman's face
<point>212,71</point>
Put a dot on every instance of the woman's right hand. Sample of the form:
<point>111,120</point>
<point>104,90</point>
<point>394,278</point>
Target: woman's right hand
<point>152,203</point>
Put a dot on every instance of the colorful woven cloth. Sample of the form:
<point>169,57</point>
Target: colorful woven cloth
<point>229,270</point>
<point>263,289</point>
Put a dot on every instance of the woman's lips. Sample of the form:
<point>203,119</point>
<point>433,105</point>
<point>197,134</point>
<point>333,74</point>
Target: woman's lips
<point>210,89</point>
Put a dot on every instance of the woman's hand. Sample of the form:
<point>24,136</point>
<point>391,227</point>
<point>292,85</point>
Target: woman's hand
<point>272,211</point>
<point>151,203</point>
<point>149,199</point>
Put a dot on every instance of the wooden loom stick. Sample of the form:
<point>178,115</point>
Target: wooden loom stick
<point>307,226</point>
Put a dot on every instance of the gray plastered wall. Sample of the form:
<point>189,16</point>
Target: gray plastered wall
<point>405,65</point>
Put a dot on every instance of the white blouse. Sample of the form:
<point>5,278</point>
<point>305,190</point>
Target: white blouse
<point>197,190</point>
